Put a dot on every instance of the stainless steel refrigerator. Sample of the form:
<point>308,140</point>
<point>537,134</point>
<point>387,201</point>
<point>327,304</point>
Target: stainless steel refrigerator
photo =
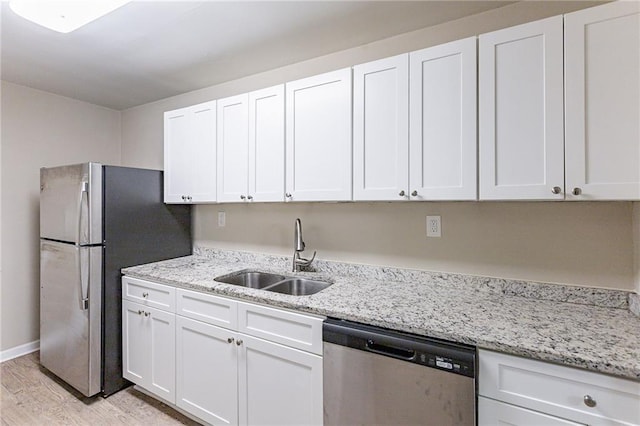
<point>95,220</point>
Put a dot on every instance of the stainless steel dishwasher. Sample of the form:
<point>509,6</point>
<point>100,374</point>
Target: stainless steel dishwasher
<point>374,376</point>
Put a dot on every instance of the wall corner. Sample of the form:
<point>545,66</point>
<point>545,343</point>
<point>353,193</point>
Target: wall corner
<point>635,226</point>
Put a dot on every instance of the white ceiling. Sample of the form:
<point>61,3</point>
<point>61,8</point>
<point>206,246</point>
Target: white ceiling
<point>150,50</point>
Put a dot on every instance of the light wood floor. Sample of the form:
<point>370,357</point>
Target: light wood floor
<point>30,395</point>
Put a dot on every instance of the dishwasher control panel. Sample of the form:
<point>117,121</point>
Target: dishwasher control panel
<point>447,356</point>
<point>446,363</point>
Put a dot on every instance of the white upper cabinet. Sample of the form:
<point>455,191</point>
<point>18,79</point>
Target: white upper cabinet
<point>602,83</point>
<point>521,132</point>
<point>251,146</point>
<point>381,129</point>
<point>318,138</point>
<point>266,144</point>
<point>190,154</point>
<point>443,135</point>
<point>233,148</point>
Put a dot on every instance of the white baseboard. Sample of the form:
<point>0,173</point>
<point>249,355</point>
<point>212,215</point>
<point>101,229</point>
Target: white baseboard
<point>17,351</point>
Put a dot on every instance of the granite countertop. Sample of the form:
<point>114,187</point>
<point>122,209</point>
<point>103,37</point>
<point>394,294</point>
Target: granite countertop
<point>587,328</point>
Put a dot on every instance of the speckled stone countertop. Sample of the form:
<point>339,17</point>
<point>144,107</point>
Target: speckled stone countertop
<point>587,328</point>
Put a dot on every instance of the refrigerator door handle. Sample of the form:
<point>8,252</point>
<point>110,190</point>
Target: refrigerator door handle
<point>83,269</point>
<point>84,195</point>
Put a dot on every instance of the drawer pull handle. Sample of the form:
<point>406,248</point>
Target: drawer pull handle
<point>229,339</point>
<point>588,401</point>
<point>145,295</point>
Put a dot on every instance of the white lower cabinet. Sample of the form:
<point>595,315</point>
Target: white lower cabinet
<point>206,372</point>
<point>148,340</point>
<point>491,412</point>
<point>278,385</point>
<point>213,358</point>
<point>229,377</point>
<point>520,391</point>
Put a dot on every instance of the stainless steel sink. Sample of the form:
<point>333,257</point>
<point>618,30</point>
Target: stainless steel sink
<point>251,279</point>
<point>298,287</point>
<point>274,282</point>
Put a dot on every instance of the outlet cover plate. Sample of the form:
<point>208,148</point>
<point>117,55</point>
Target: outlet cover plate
<point>434,226</point>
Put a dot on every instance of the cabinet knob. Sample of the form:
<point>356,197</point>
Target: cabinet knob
<point>556,190</point>
<point>242,197</point>
<point>147,314</point>
<point>140,312</point>
<point>230,339</point>
<point>576,191</point>
<point>249,197</point>
<point>184,198</point>
<point>401,193</point>
<point>414,194</point>
<point>589,401</point>
<point>238,342</point>
<point>288,195</point>
<point>189,197</point>
<point>145,295</point>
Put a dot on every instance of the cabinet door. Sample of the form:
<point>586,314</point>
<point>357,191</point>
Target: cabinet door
<point>190,154</point>
<point>495,413</point>
<point>177,161</point>
<point>602,80</point>
<point>207,372</point>
<point>381,129</point>
<point>318,123</point>
<point>443,134</point>
<point>135,343</point>
<point>521,112</point>
<point>162,375</point>
<point>266,144</point>
<point>233,148</point>
<point>148,340</point>
<point>278,385</point>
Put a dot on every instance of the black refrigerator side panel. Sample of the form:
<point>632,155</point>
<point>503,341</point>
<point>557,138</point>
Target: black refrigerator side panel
<point>138,228</point>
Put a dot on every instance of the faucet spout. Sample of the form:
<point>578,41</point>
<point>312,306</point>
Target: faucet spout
<point>298,244</point>
<point>298,247</point>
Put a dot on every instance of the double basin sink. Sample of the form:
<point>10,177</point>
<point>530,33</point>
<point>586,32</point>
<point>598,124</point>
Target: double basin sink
<point>293,286</point>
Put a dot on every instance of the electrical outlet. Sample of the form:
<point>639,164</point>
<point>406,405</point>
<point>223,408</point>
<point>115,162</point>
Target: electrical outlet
<point>222,219</point>
<point>434,228</point>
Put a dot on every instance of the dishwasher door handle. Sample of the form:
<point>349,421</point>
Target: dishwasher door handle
<point>388,350</point>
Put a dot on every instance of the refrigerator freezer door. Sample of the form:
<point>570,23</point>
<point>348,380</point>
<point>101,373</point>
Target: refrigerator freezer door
<point>71,203</point>
<point>70,313</point>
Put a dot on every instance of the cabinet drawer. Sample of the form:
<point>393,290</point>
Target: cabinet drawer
<point>207,308</point>
<point>495,413</point>
<point>558,390</point>
<point>288,328</point>
<point>149,294</point>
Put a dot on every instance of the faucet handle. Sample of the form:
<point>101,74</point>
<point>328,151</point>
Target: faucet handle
<point>307,262</point>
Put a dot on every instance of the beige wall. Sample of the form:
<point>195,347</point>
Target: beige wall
<point>558,242</point>
<point>553,242</point>
<point>39,129</point>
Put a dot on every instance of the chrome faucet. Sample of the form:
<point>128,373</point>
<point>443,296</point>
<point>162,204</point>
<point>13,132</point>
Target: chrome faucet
<point>298,247</point>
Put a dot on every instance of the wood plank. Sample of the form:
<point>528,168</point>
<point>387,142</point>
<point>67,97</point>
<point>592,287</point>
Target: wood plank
<point>31,395</point>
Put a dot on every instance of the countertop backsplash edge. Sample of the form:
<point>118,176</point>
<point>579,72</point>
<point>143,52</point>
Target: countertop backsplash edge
<point>593,296</point>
